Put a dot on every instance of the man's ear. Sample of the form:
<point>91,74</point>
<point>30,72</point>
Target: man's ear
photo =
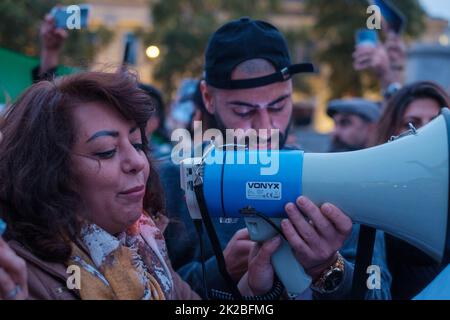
<point>207,97</point>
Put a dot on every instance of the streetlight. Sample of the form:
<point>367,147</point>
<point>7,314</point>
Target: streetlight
<point>152,52</point>
<point>444,40</point>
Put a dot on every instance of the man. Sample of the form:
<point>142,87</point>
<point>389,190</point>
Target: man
<point>354,123</point>
<point>247,86</point>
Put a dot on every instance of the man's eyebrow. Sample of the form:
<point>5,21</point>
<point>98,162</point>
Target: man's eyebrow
<point>247,104</point>
<point>243,104</point>
<point>278,100</point>
<point>103,133</point>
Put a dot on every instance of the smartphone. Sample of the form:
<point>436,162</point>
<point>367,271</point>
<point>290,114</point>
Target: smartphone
<point>366,37</point>
<point>63,14</point>
<point>392,15</point>
<point>130,54</point>
<point>2,227</point>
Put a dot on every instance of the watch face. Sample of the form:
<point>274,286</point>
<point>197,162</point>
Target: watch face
<point>333,280</point>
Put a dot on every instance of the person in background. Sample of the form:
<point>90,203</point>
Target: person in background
<point>416,104</point>
<point>160,144</point>
<point>386,60</point>
<point>354,123</point>
<point>52,41</point>
<point>182,109</point>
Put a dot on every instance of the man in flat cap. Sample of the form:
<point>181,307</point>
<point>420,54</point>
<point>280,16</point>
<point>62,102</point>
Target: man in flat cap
<point>354,123</point>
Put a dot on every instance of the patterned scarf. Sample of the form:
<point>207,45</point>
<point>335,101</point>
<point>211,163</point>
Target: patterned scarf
<point>131,266</point>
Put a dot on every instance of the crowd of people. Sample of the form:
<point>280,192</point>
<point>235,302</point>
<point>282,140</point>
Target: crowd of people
<point>87,179</point>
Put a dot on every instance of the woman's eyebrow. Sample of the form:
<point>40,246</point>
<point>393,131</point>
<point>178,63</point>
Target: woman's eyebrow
<point>103,133</point>
<point>133,130</point>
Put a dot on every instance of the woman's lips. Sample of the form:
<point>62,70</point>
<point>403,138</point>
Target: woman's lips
<point>133,194</point>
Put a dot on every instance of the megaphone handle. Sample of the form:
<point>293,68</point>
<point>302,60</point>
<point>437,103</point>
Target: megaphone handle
<point>288,269</point>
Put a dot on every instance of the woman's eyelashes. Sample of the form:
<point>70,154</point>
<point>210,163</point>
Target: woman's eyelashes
<point>106,154</point>
<point>112,152</point>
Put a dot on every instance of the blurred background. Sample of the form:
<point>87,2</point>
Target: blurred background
<point>167,38</point>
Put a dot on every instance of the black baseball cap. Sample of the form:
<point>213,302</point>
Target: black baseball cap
<point>245,39</point>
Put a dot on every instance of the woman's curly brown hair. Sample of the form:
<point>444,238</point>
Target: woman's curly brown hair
<point>36,199</point>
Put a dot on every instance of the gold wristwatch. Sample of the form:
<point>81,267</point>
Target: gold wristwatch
<point>331,278</point>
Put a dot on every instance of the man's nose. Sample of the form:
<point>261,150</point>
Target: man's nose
<point>337,133</point>
<point>263,120</point>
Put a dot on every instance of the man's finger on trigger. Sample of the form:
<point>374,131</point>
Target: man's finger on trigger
<point>314,214</point>
<point>242,234</point>
<point>294,239</point>
<point>303,224</point>
<point>342,222</point>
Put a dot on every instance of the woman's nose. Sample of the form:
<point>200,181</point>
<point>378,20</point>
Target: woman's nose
<point>134,160</point>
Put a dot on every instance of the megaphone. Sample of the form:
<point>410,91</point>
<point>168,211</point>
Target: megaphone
<point>401,187</point>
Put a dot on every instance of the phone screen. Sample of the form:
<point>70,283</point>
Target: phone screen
<point>62,16</point>
<point>366,37</point>
<point>2,227</point>
<point>393,16</point>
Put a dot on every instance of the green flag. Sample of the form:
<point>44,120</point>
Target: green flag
<point>15,74</point>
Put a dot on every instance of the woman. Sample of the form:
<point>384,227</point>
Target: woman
<point>415,104</point>
<point>73,172</point>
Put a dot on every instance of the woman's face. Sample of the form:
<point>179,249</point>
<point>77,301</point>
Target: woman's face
<point>109,166</point>
<point>419,113</point>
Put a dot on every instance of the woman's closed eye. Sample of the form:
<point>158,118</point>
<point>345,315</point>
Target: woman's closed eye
<point>106,154</point>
